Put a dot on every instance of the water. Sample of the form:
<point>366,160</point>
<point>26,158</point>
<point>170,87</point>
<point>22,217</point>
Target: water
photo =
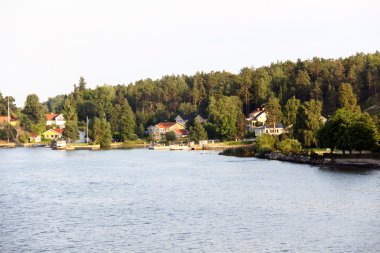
<point>159,201</point>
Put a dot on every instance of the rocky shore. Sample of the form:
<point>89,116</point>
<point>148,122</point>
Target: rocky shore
<point>303,159</point>
<point>340,162</point>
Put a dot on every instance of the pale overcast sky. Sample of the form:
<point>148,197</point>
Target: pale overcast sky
<point>46,45</point>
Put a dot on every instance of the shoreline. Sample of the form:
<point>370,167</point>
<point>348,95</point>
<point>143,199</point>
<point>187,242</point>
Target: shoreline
<point>340,162</point>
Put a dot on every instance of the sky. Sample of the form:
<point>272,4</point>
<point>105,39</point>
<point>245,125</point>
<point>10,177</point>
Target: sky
<point>46,45</point>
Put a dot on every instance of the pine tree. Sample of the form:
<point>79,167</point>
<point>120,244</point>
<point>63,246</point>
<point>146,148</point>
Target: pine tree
<point>290,111</point>
<point>308,122</point>
<point>273,111</point>
<point>347,98</point>
<point>197,132</point>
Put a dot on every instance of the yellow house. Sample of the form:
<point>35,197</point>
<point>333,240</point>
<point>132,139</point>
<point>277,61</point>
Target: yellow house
<point>52,134</point>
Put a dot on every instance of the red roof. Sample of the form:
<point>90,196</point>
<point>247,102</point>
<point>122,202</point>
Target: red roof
<point>34,135</point>
<point>60,131</point>
<point>4,118</point>
<point>166,124</point>
<point>181,131</point>
<point>51,116</point>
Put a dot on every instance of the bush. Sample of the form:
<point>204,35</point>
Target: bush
<point>246,151</point>
<point>24,138</point>
<point>266,143</point>
<point>289,146</point>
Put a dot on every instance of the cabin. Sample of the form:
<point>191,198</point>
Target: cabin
<point>53,119</point>
<point>277,130</point>
<point>35,138</point>
<point>161,129</point>
<point>52,134</point>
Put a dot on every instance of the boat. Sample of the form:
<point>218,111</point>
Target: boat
<point>59,144</point>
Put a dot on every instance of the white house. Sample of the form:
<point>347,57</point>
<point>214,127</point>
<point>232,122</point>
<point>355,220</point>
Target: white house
<point>279,129</point>
<point>35,138</point>
<point>255,119</point>
<point>55,119</point>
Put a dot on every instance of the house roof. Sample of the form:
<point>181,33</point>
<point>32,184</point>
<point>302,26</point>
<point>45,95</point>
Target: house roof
<point>5,118</point>
<point>60,131</point>
<point>165,124</point>
<point>34,135</point>
<point>258,114</point>
<point>51,116</point>
<point>181,131</point>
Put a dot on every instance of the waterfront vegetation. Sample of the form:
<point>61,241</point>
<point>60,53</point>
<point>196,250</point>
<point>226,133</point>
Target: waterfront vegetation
<point>296,94</point>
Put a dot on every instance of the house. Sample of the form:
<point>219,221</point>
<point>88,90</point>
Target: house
<point>279,129</point>
<point>35,138</point>
<point>4,119</point>
<point>52,134</point>
<point>53,119</point>
<point>161,129</point>
<point>256,118</point>
<point>200,118</point>
<point>183,120</point>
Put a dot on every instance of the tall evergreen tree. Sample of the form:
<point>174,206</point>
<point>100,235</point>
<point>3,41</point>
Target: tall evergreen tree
<point>34,118</point>
<point>308,122</point>
<point>197,132</point>
<point>273,111</point>
<point>290,111</point>
<point>347,98</point>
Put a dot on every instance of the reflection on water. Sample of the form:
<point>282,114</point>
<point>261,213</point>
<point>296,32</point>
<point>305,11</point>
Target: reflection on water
<point>159,201</point>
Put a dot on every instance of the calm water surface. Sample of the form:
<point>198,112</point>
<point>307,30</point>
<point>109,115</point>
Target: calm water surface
<point>159,201</point>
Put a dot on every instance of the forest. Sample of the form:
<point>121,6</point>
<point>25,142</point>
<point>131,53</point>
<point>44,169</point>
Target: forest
<point>293,93</point>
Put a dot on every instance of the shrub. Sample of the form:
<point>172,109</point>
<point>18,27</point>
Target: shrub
<point>289,146</point>
<point>24,138</point>
<point>266,143</point>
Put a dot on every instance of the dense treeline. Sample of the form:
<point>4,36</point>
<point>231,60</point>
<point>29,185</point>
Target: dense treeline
<point>296,92</point>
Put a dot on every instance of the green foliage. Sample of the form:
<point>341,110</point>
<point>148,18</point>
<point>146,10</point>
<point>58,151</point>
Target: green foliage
<point>308,122</point>
<point>289,146</point>
<point>347,130</point>
<point>34,118</point>
<point>347,98</point>
<point>7,132</point>
<point>71,131</point>
<point>223,96</point>
<point>123,119</point>
<point>266,143</point>
<point>290,111</point>
<point>171,136</point>
<point>197,132</point>
<point>24,137</point>
<point>227,117</point>
<point>273,109</point>
<point>69,109</point>
<point>4,105</point>
<point>102,132</point>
